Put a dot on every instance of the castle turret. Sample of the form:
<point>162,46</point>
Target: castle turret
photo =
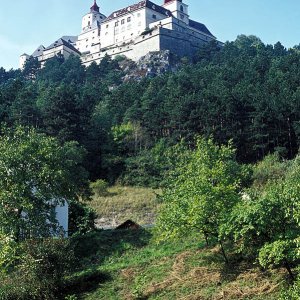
<point>23,58</point>
<point>89,39</point>
<point>95,7</point>
<point>92,19</point>
<point>178,9</point>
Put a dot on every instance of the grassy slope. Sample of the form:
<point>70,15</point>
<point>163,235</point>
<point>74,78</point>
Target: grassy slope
<point>123,203</point>
<point>129,265</point>
<point>133,267</point>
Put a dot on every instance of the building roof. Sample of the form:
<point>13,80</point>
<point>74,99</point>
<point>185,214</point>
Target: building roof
<point>167,1</point>
<point>38,52</point>
<point>95,7</point>
<point>201,27</point>
<point>137,6</point>
<point>70,38</point>
<point>62,42</point>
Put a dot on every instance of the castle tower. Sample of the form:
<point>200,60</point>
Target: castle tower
<point>89,38</point>
<point>23,58</point>
<point>92,19</point>
<point>178,9</point>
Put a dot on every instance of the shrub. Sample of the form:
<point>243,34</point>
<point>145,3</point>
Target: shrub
<point>8,253</point>
<point>81,218</point>
<point>292,293</point>
<point>41,271</point>
<point>120,58</point>
<point>100,187</point>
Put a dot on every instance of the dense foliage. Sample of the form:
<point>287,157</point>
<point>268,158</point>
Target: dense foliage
<point>36,174</point>
<point>90,118</point>
<point>253,210</point>
<point>246,91</point>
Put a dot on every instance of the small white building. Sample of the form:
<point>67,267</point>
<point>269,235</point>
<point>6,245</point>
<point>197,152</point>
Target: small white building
<point>62,217</point>
<point>132,31</point>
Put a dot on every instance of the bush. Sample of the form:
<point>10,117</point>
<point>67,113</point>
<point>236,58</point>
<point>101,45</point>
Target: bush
<point>292,293</point>
<point>81,218</point>
<point>41,271</point>
<point>120,58</point>
<point>8,253</point>
<point>100,187</point>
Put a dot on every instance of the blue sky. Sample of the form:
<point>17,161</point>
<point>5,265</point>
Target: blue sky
<point>25,24</point>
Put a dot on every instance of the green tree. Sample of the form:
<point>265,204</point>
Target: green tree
<point>265,225</point>
<point>31,68</point>
<point>201,193</point>
<point>37,173</point>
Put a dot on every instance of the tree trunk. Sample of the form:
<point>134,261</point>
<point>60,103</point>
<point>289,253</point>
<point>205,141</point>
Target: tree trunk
<point>288,267</point>
<point>223,252</point>
<point>206,239</point>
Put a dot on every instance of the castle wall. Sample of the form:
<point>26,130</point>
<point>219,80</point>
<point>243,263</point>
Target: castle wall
<point>179,43</point>
<point>159,38</point>
<point>61,50</point>
<point>134,31</point>
<point>89,41</point>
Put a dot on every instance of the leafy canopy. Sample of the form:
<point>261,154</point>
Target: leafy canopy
<point>201,192</point>
<point>36,173</point>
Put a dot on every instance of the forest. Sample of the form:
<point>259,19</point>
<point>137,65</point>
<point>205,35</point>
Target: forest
<point>247,92</point>
<point>220,137</point>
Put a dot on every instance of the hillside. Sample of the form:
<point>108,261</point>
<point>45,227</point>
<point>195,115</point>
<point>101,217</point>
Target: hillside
<point>245,91</point>
<point>120,204</point>
<point>217,138</point>
<point>132,267</point>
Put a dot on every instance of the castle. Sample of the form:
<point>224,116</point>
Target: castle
<point>132,31</point>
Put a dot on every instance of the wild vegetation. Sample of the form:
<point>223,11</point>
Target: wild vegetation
<point>218,139</point>
<point>120,203</point>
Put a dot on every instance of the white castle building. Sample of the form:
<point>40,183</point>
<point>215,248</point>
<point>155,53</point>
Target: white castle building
<point>132,31</point>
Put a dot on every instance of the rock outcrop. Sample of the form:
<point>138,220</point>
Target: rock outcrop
<point>151,65</point>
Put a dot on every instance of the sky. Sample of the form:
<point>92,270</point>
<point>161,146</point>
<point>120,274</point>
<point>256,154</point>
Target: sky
<point>26,24</point>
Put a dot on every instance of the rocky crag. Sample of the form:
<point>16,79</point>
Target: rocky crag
<point>151,65</point>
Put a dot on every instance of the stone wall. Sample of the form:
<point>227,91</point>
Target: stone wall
<point>156,39</point>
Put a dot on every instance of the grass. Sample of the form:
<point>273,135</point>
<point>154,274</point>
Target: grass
<point>122,203</point>
<point>131,266</point>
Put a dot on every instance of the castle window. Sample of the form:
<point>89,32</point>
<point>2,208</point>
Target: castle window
<point>182,17</point>
<point>107,26</point>
<point>89,23</point>
<point>181,8</point>
<point>123,22</point>
<point>128,19</point>
<point>117,24</point>
<point>154,17</point>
